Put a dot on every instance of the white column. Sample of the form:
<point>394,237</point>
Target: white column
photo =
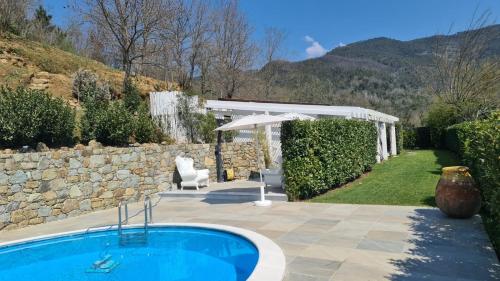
<point>383,141</point>
<point>379,147</point>
<point>394,149</point>
<point>269,137</point>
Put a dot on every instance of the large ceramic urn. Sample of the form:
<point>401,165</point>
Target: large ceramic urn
<point>457,194</point>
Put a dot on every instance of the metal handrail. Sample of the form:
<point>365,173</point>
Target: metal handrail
<point>148,215</point>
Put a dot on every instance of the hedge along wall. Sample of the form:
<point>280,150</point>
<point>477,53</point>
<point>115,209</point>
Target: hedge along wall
<point>478,145</point>
<point>323,154</point>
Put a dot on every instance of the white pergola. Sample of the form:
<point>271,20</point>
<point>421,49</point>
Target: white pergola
<point>236,109</point>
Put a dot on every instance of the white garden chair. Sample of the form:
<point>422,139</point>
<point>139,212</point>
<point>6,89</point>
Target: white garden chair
<point>190,176</point>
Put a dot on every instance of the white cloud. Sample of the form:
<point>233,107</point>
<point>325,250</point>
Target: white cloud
<point>341,44</point>
<point>315,49</point>
<point>309,39</point>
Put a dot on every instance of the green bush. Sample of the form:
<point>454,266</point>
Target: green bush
<point>131,96</point>
<point>478,145</point>
<point>107,122</point>
<point>323,154</point>
<point>452,139</point>
<point>88,88</point>
<point>30,116</point>
<point>410,138</point>
<point>439,117</point>
<point>115,125</point>
<point>206,127</point>
<point>399,138</point>
<point>144,127</point>
<point>419,137</point>
<point>93,113</point>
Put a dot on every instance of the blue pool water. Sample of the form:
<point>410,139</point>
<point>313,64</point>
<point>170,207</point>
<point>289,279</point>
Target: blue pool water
<point>171,253</point>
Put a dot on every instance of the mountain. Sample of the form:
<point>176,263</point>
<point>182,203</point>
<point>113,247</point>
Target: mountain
<point>381,73</point>
<point>32,64</point>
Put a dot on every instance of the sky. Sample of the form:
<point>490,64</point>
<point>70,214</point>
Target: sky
<point>314,27</point>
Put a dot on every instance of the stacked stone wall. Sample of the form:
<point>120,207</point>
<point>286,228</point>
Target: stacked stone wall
<point>45,186</point>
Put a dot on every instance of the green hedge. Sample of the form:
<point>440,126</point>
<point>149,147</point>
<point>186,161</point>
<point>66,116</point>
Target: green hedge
<point>399,138</point>
<point>31,116</point>
<point>419,137</point>
<point>478,145</point>
<point>410,138</point>
<point>323,154</point>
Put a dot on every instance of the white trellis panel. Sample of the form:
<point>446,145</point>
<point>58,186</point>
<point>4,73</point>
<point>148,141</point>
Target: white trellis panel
<point>164,112</point>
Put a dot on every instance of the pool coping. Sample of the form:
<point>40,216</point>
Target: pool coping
<point>270,265</point>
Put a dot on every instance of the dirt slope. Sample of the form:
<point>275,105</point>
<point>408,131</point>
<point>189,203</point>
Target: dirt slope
<point>35,65</point>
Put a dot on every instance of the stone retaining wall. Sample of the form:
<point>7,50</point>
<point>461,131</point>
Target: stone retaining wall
<point>45,186</point>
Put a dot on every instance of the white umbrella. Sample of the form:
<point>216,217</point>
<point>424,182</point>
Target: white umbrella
<point>251,122</point>
<point>296,116</point>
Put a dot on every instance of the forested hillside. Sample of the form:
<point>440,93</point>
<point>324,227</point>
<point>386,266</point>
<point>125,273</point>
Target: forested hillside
<point>381,73</point>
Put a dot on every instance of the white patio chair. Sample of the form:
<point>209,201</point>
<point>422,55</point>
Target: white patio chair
<point>190,176</point>
<point>273,177</point>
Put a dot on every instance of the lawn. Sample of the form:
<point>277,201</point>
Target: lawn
<point>408,179</point>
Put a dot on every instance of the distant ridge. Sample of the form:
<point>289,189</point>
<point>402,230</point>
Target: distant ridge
<point>380,73</point>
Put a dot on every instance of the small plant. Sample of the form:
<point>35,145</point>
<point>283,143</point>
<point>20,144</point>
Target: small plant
<point>30,116</point>
<point>88,88</point>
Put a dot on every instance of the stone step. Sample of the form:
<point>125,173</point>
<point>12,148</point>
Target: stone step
<point>42,75</point>
<point>39,81</point>
<point>231,196</point>
<point>39,87</point>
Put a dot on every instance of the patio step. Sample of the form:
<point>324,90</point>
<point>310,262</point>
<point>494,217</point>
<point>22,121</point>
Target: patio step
<point>223,195</point>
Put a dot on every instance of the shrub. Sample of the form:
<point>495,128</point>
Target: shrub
<point>439,117</point>
<point>114,125</point>
<point>206,126</point>
<point>30,116</point>
<point>417,138</point>
<point>410,138</point>
<point>107,122</point>
<point>399,138</point>
<point>478,144</point>
<point>88,88</point>
<point>93,112</point>
<point>131,96</point>
<point>319,155</point>
<point>453,141</point>
<point>144,127</point>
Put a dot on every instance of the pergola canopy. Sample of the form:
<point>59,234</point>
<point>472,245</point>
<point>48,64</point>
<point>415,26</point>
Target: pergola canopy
<point>248,107</point>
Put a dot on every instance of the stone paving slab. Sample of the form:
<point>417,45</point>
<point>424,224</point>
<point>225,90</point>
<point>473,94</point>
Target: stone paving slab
<point>333,241</point>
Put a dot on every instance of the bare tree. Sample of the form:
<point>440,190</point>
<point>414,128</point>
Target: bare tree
<point>13,15</point>
<point>200,39</point>
<point>128,24</point>
<point>185,34</point>
<point>233,49</point>
<point>466,80</point>
<point>272,45</point>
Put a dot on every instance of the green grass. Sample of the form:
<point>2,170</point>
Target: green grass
<point>409,179</point>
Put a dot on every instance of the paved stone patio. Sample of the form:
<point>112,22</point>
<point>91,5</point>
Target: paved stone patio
<point>333,241</point>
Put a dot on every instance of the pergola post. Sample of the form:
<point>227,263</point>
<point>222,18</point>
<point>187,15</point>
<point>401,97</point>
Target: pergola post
<point>269,137</point>
<point>394,149</point>
<point>383,140</point>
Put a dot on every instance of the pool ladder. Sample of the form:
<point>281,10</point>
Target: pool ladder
<point>134,238</point>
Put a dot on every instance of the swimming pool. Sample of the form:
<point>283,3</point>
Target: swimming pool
<point>172,252</point>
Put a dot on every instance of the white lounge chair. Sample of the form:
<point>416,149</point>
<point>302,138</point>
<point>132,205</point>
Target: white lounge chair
<point>190,176</point>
